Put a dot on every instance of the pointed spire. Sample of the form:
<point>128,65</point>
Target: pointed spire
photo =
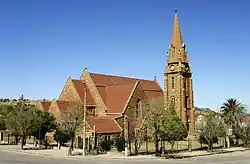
<point>176,36</point>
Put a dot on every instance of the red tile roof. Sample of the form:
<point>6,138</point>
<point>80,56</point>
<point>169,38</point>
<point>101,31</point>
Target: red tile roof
<point>103,124</point>
<point>80,88</point>
<point>102,91</point>
<point>107,80</point>
<point>45,106</point>
<point>115,90</point>
<point>118,96</point>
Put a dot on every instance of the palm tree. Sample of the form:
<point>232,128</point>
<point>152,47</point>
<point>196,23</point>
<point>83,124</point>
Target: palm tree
<point>233,111</point>
<point>232,106</point>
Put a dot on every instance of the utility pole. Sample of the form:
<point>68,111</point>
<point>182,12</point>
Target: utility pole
<point>94,138</point>
<point>126,152</point>
<point>84,122</point>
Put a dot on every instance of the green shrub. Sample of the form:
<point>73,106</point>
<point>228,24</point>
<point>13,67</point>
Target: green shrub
<point>203,140</point>
<point>120,144</point>
<point>106,145</point>
<point>62,136</point>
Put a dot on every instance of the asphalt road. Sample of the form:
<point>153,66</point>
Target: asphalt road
<point>231,158</point>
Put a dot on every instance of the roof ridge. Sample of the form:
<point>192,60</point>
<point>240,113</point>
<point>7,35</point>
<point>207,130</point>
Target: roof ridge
<point>123,84</point>
<point>78,80</point>
<point>63,101</point>
<point>100,85</point>
<point>125,77</point>
<point>152,90</point>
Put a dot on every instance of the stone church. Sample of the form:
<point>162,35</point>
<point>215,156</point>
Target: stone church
<point>110,98</point>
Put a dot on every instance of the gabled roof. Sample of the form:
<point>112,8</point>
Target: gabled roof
<point>115,90</point>
<point>45,106</point>
<point>118,96</point>
<point>103,124</point>
<point>107,80</point>
<point>80,88</point>
<point>102,91</point>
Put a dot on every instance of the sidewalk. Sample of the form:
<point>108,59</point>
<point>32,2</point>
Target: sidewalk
<point>62,153</point>
<point>205,153</point>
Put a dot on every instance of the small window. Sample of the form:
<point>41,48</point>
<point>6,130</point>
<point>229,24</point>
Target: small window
<point>173,101</point>
<point>138,109</point>
<point>184,83</point>
<point>172,82</point>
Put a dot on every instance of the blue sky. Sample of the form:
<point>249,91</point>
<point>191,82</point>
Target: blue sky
<point>43,42</point>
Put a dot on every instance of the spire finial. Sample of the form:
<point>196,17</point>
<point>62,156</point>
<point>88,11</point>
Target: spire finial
<point>176,11</point>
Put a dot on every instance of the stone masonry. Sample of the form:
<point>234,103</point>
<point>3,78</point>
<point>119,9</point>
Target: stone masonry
<point>178,87</point>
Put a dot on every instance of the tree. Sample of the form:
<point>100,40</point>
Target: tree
<point>233,111</point>
<point>120,143</point>
<point>45,122</point>
<point>173,128</point>
<point>21,120</point>
<point>71,119</point>
<point>61,136</point>
<point>136,137</point>
<point>2,117</point>
<point>242,129</point>
<point>155,114</point>
<point>211,128</point>
<point>5,111</point>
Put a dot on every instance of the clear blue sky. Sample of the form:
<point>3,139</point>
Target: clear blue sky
<point>42,42</point>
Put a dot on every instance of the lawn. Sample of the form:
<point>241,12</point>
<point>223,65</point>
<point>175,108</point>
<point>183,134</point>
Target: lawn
<point>178,146</point>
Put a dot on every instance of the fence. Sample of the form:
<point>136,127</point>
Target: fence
<point>149,147</point>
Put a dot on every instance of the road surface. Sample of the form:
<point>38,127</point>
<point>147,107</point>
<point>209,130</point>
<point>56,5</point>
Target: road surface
<point>230,158</point>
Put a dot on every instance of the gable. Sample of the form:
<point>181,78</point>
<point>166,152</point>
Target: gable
<point>94,91</point>
<point>69,92</point>
<point>44,106</point>
<point>80,88</point>
<point>137,94</point>
<point>54,109</point>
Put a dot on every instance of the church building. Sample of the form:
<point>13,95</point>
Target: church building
<point>112,98</point>
<point>108,99</point>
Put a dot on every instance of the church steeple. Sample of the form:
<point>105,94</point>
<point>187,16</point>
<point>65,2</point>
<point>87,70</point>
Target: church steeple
<point>178,85</point>
<point>177,49</point>
<point>176,36</point>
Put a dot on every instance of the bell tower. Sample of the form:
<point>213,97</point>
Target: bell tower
<point>178,86</point>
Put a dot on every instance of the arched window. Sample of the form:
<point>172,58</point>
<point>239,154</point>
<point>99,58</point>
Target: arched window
<point>138,108</point>
<point>173,101</point>
<point>172,82</point>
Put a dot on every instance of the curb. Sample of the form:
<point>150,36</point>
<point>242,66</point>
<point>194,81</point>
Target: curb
<point>49,155</point>
<point>200,155</point>
<point>32,153</point>
<point>122,157</point>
